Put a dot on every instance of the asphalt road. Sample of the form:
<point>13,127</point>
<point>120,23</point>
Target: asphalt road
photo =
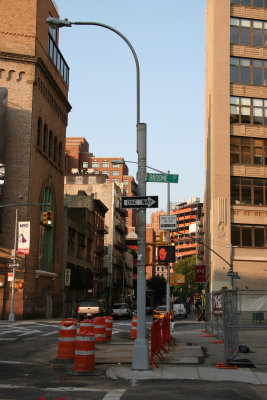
<point>25,378</point>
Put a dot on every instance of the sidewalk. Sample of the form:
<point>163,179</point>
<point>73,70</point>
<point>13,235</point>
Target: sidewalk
<point>195,359</point>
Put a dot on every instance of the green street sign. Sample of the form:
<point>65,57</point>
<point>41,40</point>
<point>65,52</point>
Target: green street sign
<point>165,178</point>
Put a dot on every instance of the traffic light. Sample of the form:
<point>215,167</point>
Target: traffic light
<point>159,237</point>
<point>172,240</point>
<point>45,218</point>
<point>49,215</point>
<point>166,254</point>
<point>48,218</point>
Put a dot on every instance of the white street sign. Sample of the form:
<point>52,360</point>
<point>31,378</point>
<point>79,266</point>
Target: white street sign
<point>167,222</point>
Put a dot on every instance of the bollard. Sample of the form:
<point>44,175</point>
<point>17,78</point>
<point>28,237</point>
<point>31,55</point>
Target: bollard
<point>87,325</point>
<point>84,355</point>
<point>100,329</point>
<point>134,328</point>
<point>108,324</point>
<point>66,341</point>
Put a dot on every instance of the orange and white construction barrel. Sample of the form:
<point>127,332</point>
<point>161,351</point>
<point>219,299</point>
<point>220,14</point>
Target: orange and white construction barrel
<point>87,325</point>
<point>134,327</point>
<point>66,340</point>
<point>84,355</point>
<point>100,329</point>
<point>108,324</point>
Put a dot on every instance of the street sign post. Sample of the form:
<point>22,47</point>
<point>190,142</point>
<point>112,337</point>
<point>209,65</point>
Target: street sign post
<point>164,178</point>
<point>140,202</point>
<point>168,222</point>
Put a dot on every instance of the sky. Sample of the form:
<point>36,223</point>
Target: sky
<point>168,37</point>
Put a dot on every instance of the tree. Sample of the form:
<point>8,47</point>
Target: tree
<point>185,267</point>
<point>157,285</point>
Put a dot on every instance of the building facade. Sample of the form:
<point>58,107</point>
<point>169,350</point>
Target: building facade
<point>34,77</point>
<point>115,246</point>
<point>235,142</point>
<point>80,161</point>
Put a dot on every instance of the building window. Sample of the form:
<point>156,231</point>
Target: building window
<point>250,3</point>
<point>116,181</point>
<point>39,132</point>
<point>96,172</point>
<point>247,32</point>
<point>244,110</point>
<point>248,71</point>
<point>85,164</point>
<point>60,155</point>
<point>55,150</point>
<point>115,173</point>
<point>251,151</point>
<point>45,139</point>
<point>116,165</point>
<point>252,191</point>
<point>95,164</point>
<point>47,234</point>
<point>125,182</point>
<point>105,164</point>
<point>248,235</point>
<point>50,144</point>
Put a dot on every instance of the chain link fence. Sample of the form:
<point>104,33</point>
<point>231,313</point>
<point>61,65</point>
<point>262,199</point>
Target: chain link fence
<point>239,317</point>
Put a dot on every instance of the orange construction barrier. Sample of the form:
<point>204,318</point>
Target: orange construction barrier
<point>134,327</point>
<point>87,325</point>
<point>66,341</point>
<point>84,356</point>
<point>108,324</point>
<point>100,329</point>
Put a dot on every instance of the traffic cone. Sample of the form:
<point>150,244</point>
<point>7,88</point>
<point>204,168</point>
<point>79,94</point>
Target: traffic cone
<point>134,328</point>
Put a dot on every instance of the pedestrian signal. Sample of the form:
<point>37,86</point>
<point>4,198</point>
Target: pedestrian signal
<point>166,254</point>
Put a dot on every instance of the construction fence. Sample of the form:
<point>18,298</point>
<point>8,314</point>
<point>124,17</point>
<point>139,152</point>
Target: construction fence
<point>239,318</point>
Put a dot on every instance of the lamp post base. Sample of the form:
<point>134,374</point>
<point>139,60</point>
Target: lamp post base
<point>11,317</point>
<point>140,360</point>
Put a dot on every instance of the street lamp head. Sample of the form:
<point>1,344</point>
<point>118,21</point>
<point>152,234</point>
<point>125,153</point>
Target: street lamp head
<point>117,162</point>
<point>58,23</point>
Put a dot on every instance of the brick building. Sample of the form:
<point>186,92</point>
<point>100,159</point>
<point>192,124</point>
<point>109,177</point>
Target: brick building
<point>80,160</point>
<point>83,250</point>
<point>110,195</point>
<point>235,142</point>
<point>34,77</point>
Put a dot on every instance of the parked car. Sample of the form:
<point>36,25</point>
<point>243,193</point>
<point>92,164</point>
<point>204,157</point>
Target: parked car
<point>160,312</point>
<point>90,308</point>
<point>121,310</point>
<point>179,310</point>
<point>149,310</point>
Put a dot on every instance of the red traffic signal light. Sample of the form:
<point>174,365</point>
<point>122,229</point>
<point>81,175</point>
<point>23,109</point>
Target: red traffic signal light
<point>166,254</point>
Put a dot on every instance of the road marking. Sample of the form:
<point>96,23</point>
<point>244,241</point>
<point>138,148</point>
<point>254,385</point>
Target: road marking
<point>8,338</point>
<point>111,395</point>
<point>114,394</point>
<point>50,333</point>
<point>29,333</point>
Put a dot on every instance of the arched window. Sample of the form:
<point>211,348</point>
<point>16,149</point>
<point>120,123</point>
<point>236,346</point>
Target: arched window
<point>21,75</point>
<point>11,74</point>
<point>60,155</point>
<point>55,150</point>
<point>50,144</point>
<point>39,132</point>
<point>45,139</point>
<point>47,234</point>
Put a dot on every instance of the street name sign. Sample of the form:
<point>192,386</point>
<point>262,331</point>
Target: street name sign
<point>165,178</point>
<point>230,273</point>
<point>167,222</point>
<point>140,202</point>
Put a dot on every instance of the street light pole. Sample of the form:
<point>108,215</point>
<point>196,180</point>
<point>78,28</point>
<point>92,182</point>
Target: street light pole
<point>168,265</point>
<point>11,317</point>
<point>140,359</point>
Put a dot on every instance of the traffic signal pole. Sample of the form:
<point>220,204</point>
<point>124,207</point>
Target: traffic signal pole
<point>168,265</point>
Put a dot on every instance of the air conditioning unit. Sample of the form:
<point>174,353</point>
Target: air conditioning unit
<point>74,171</point>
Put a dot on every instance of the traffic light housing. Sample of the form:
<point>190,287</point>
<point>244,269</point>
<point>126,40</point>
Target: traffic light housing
<point>172,240</point>
<point>48,218</point>
<point>49,215</point>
